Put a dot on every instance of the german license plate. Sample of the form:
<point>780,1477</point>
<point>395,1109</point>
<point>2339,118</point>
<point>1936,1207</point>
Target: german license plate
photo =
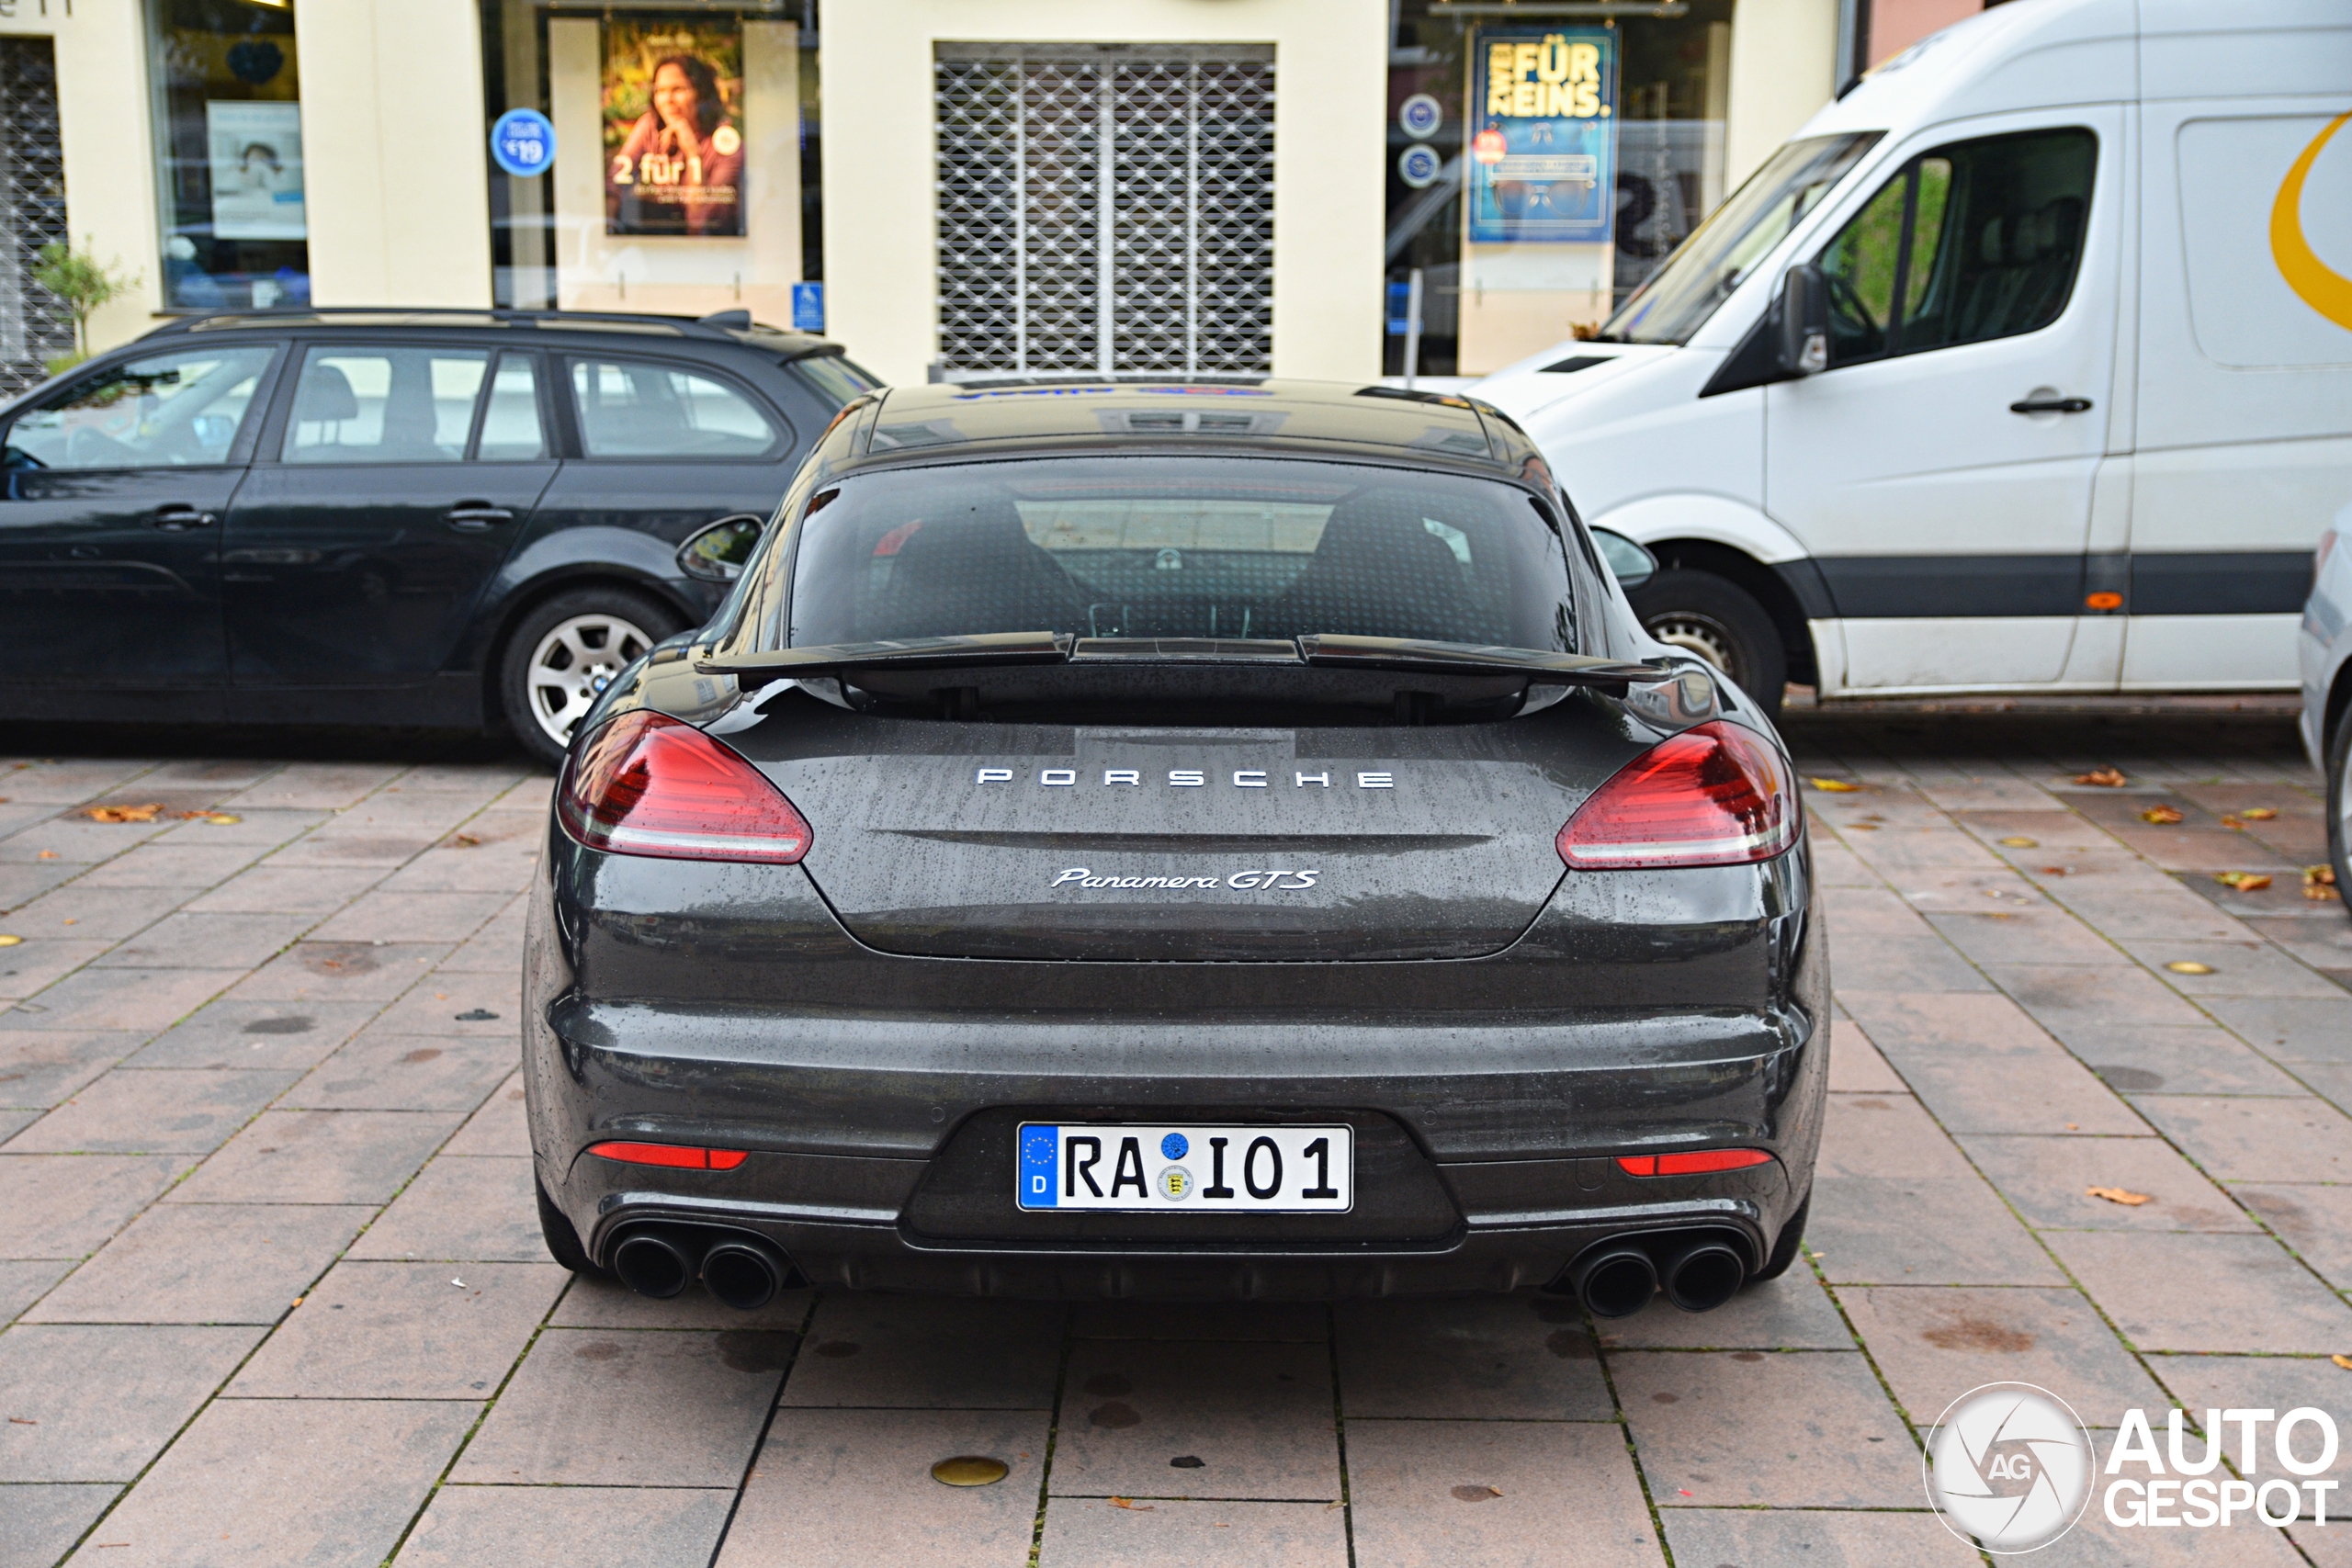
<point>1172,1170</point>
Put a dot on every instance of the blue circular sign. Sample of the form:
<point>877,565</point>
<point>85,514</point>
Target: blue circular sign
<point>1419,166</point>
<point>523,142</point>
<point>1420,115</point>
<point>1173,1145</point>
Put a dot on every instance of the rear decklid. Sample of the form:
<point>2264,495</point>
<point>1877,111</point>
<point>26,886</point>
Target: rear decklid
<point>960,841</point>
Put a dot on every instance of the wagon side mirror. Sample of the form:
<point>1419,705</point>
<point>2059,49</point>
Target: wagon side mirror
<point>720,552</point>
<point>1804,345</point>
<point>1632,564</point>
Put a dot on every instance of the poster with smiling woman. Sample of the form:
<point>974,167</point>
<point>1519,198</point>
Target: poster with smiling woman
<point>673,139</point>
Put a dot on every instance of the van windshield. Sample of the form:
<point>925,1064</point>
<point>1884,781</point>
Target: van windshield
<point>1719,254</point>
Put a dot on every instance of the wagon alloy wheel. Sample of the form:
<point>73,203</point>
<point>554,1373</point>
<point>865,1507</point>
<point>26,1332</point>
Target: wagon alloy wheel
<point>574,662</point>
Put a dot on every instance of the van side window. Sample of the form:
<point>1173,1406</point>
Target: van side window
<point>1970,241</point>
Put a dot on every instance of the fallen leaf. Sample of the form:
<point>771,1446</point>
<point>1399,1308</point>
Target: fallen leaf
<point>1686,1492</point>
<point>21,1421</point>
<point>2244,880</point>
<point>147,813</point>
<point>463,841</point>
<point>2053,871</point>
<point>11,940</point>
<point>2319,876</point>
<point>1130,1503</point>
<point>2105,778</point>
<point>2343,1362</point>
<point>2188,967</point>
<point>1834,786</point>
<point>2161,815</point>
<point>1861,826</point>
<point>1475,1493</point>
<point>2232,824</point>
<point>2124,1196</point>
<point>2258,814</point>
<point>46,855</point>
<point>73,922</point>
<point>2318,893</point>
<point>2022,843</point>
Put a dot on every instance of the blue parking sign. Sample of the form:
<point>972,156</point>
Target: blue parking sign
<point>523,142</point>
<point>808,306</point>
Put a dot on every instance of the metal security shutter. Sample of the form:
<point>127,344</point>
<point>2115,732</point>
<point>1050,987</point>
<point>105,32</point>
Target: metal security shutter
<point>34,327</point>
<point>1071,176</point>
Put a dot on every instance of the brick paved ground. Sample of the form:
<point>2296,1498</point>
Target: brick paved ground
<point>276,1294</point>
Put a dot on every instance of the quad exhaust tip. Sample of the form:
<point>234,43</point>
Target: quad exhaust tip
<point>741,1271</point>
<point>1617,1279</point>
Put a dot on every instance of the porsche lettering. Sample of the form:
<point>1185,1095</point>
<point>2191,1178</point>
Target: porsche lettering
<point>1187,778</point>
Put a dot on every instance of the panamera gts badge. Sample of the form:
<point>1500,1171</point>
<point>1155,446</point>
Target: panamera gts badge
<point>1245,881</point>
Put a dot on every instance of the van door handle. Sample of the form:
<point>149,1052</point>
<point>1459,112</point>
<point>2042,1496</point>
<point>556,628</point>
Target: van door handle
<point>473,517</point>
<point>180,519</point>
<point>2052,405</point>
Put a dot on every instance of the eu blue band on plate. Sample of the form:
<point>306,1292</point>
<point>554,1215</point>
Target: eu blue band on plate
<point>1037,1150</point>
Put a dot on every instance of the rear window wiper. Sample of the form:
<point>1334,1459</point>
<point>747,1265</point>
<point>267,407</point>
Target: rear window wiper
<point>900,653</point>
<point>1328,651</point>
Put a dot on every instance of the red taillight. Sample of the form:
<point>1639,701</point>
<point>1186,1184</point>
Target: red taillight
<point>678,1157</point>
<point>646,785</point>
<point>1698,1162</point>
<point>1713,795</point>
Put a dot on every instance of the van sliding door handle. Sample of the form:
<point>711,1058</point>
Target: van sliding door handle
<point>2052,405</point>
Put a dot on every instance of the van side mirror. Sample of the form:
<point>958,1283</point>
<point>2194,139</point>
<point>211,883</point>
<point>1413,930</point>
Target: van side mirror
<point>1804,345</point>
<point>719,552</point>
<point>1632,564</point>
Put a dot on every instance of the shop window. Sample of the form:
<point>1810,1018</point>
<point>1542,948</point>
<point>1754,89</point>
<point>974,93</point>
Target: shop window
<point>1048,150</point>
<point>229,149</point>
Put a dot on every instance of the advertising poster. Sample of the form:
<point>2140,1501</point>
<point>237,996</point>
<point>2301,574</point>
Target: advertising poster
<point>256,151</point>
<point>1542,153</point>
<point>673,127</point>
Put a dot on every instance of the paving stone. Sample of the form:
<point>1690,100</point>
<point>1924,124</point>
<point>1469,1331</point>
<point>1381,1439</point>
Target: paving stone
<point>1887,1135</point>
<point>461,1209</point>
<point>2316,1220</point>
<point>258,830</point>
<point>39,963</point>
<point>449,867</point>
<point>319,1157</point>
<point>500,1127</point>
<point>2044,1091</point>
<point>404,917</point>
<point>2204,1060</point>
<point>2205,1384</point>
<point>189,864</point>
<point>2048,1180</point>
<point>188,940</point>
<point>2257,1139</point>
<point>1856,1065</point>
<point>73,838</point>
<point>2239,969</point>
<point>1905,1231</point>
<point>2198,1293</point>
<point>1880,941</point>
<point>327,786</point>
<point>271,888</point>
<point>444,1003</point>
<point>205,1263</point>
<point>2105,994</point>
<point>96,1403</point>
<point>2290,1029</point>
<point>1835,865</point>
<point>1257,1415</point>
<point>1491,1358</point>
<point>63,780</point>
<point>1098,1533</point>
<point>2012,932</point>
<point>580,1527</point>
<point>338,845</point>
<point>862,1478</point>
<point>235,1033</point>
<point>1934,1345</point>
<point>159,1111</point>
<point>145,1001</point>
<point>98,914</point>
<point>929,1352</point>
<point>343,971</point>
<point>45,1521</point>
<point>597,1407</point>
<point>408,1072</point>
<point>24,1282</point>
<point>67,1205</point>
<point>1791,1313</point>
<point>1445,1493</point>
<point>1805,1429</point>
<point>260,1483</point>
<point>403,1331</point>
<point>21,881</point>
<point>42,1066</point>
<point>594,1302</point>
<point>1309,1322</point>
<point>1787,1538</point>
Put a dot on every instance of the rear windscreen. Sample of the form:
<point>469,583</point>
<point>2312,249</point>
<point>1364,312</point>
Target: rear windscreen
<point>1180,547</point>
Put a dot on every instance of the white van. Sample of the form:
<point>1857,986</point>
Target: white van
<point>2027,366</point>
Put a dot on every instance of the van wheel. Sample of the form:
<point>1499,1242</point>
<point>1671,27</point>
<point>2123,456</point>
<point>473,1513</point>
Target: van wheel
<point>2339,808</point>
<point>1723,624</point>
<point>563,655</point>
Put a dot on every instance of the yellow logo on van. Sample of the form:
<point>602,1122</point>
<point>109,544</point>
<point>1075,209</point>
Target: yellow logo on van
<point>2314,282</point>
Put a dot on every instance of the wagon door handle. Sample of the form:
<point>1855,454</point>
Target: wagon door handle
<point>2052,405</point>
<point>180,519</point>
<point>473,517</point>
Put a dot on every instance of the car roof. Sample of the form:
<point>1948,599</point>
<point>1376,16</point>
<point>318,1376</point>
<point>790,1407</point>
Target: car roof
<point>727,326</point>
<point>948,422</point>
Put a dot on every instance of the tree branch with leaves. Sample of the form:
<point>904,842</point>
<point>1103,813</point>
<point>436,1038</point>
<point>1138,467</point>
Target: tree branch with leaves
<point>82,284</point>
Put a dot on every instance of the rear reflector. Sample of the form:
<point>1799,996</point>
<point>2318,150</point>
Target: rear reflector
<point>679,1156</point>
<point>1696,1163</point>
<point>646,785</point>
<point>1714,796</point>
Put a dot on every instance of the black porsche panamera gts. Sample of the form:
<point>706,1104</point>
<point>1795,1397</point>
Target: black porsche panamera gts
<point>1192,840</point>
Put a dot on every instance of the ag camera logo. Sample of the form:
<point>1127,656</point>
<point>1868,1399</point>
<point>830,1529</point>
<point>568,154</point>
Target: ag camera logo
<point>2010,1464</point>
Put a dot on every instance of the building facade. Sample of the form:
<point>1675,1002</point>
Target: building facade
<point>951,187</point>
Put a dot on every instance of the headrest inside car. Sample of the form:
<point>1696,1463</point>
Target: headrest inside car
<point>325,397</point>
